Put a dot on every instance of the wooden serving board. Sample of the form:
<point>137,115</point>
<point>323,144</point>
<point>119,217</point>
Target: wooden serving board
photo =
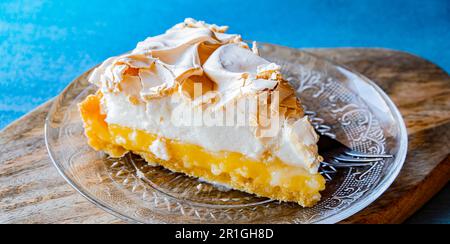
<point>31,190</point>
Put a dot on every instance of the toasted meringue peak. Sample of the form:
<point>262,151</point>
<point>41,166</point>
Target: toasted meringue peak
<point>269,71</point>
<point>156,82</point>
<point>192,23</point>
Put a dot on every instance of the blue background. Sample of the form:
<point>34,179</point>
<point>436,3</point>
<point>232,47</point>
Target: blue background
<point>45,44</point>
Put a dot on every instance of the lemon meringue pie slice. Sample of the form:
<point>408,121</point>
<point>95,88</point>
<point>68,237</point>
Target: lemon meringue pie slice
<point>198,101</point>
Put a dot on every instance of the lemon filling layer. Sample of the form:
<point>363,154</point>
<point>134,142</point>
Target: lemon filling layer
<point>268,177</point>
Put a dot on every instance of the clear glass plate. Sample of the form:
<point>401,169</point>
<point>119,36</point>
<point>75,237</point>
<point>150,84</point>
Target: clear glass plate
<point>358,111</point>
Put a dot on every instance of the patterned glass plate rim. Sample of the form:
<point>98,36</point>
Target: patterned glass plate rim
<point>355,108</point>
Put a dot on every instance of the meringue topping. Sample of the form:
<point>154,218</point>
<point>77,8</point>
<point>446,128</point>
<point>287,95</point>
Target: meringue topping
<point>168,67</point>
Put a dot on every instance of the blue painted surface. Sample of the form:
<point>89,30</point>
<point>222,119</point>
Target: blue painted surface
<point>45,44</point>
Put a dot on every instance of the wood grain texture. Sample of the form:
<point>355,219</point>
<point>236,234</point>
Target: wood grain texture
<point>32,191</point>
